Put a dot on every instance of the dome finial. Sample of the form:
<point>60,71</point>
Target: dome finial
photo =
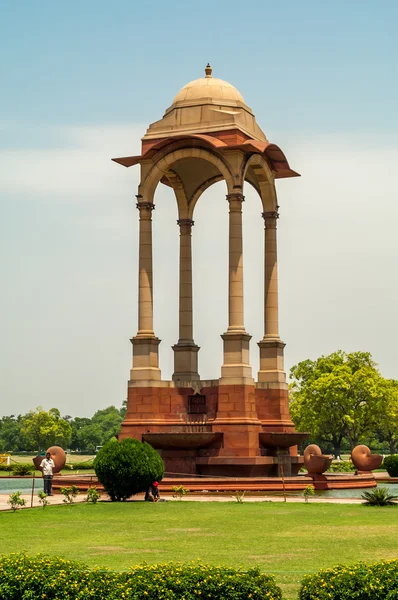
<point>208,70</point>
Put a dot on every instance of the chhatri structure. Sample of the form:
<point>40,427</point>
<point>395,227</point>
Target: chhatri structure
<point>231,425</point>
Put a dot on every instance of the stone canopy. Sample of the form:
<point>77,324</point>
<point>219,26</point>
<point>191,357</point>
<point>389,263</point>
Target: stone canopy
<point>223,425</point>
<point>213,113</point>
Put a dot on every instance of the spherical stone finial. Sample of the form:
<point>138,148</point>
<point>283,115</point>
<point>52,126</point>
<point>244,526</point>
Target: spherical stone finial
<point>208,70</point>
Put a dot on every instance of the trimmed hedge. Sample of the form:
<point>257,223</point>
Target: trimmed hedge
<point>28,578</point>
<point>23,469</point>
<point>127,467</point>
<point>360,581</point>
<point>4,467</point>
<point>79,466</point>
<point>390,464</point>
<point>341,466</point>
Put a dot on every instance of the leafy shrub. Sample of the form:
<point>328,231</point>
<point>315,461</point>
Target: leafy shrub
<point>93,495</point>
<point>363,581</point>
<point>179,491</point>
<point>380,496</point>
<point>127,467</point>
<point>22,469</point>
<point>390,464</point>
<point>69,493</point>
<point>43,499</point>
<point>308,491</point>
<point>341,466</point>
<point>239,496</point>
<point>15,501</point>
<point>53,578</point>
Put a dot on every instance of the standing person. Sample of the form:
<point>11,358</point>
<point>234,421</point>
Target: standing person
<point>46,466</point>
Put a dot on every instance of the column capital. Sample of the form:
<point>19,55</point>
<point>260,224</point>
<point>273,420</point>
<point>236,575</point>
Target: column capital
<point>235,196</point>
<point>270,218</point>
<point>185,223</point>
<point>235,201</point>
<point>143,204</point>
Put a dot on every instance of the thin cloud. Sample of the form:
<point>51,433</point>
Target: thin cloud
<point>338,252</point>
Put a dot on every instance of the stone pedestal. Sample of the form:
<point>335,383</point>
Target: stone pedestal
<point>145,359</point>
<point>185,362</point>
<point>225,438</point>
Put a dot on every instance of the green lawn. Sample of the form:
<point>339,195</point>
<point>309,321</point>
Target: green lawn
<point>288,540</point>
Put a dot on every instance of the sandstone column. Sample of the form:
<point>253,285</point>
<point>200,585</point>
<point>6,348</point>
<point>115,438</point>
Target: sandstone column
<point>145,343</point>
<point>271,346</point>
<point>185,351</point>
<point>236,367</point>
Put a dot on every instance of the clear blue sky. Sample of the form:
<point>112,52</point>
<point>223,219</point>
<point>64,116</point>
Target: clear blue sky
<point>80,81</point>
<point>311,65</point>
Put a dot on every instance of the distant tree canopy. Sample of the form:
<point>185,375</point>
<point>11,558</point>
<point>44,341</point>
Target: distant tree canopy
<point>42,429</point>
<point>343,399</point>
<point>38,429</point>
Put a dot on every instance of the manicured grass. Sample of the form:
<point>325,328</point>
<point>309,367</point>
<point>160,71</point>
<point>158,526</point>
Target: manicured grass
<point>287,540</point>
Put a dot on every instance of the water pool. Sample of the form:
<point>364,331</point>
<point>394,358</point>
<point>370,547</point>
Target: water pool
<point>21,484</point>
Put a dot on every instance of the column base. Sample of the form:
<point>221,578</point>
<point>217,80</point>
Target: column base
<point>271,361</point>
<point>185,361</point>
<point>145,358</point>
<point>236,369</point>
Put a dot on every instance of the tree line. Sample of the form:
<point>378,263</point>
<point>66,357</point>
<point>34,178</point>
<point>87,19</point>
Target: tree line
<point>343,400</point>
<point>38,429</point>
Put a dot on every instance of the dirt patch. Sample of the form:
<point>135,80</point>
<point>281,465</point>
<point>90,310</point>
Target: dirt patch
<point>119,550</point>
<point>275,557</point>
<point>186,529</point>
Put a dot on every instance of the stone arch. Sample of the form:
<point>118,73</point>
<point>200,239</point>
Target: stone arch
<point>179,191</point>
<point>165,165</point>
<point>200,191</point>
<point>262,179</point>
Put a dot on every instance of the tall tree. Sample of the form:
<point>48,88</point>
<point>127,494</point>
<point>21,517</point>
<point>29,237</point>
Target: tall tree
<point>388,421</point>
<point>336,396</point>
<point>45,428</point>
<point>10,435</point>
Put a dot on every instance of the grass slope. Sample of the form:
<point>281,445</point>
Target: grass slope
<point>287,540</point>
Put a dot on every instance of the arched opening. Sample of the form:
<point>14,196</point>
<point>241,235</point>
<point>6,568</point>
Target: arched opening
<point>165,240</point>
<point>210,277</point>
<point>253,269</point>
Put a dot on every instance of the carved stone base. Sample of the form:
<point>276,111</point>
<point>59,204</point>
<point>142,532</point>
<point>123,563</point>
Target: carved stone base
<point>236,368</point>
<point>145,359</point>
<point>271,361</point>
<point>185,362</point>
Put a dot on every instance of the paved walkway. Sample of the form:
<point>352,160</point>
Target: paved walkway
<point>57,499</point>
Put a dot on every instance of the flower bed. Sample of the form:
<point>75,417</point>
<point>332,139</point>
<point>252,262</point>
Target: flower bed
<point>22,576</point>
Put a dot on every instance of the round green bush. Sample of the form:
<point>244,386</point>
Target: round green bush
<point>390,464</point>
<point>128,467</point>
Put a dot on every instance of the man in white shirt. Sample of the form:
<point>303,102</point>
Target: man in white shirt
<point>46,466</point>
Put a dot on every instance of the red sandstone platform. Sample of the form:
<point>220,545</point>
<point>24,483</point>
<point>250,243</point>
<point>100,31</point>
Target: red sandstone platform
<point>331,481</point>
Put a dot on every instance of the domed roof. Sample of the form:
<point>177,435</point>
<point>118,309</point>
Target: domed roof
<point>209,88</point>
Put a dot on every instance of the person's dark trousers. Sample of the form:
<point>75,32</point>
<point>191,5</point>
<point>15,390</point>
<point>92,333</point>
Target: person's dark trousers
<point>48,484</point>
